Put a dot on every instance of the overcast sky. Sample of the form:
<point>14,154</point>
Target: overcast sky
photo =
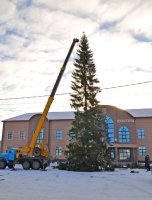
<point>35,36</point>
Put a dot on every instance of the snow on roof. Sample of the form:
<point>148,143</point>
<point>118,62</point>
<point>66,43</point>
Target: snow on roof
<point>23,117</point>
<point>145,112</point>
<point>60,115</point>
<point>50,116</point>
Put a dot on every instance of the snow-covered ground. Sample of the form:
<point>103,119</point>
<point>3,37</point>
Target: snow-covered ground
<point>56,184</point>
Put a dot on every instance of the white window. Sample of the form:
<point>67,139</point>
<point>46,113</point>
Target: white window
<point>142,151</point>
<point>141,133</point>
<point>9,135</point>
<point>72,136</point>
<point>124,154</point>
<point>22,135</point>
<point>58,151</point>
<point>59,134</point>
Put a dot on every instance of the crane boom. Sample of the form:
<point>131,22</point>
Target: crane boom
<point>51,97</point>
<point>40,125</point>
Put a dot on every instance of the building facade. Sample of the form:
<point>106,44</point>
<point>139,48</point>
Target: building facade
<point>129,133</point>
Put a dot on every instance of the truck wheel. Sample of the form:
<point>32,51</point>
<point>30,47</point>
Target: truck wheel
<point>2,164</point>
<point>36,165</point>
<point>26,165</point>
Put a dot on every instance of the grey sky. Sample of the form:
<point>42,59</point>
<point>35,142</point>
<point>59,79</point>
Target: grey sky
<point>35,36</point>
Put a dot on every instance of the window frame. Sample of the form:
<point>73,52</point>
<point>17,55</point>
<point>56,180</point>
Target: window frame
<point>110,129</point>
<point>72,135</point>
<point>59,134</point>
<point>142,151</point>
<point>141,133</point>
<point>22,135</point>
<point>10,133</point>
<point>58,151</point>
<point>124,152</point>
<point>112,153</point>
<point>123,135</point>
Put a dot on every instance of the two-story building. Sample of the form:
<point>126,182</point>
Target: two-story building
<point>129,132</point>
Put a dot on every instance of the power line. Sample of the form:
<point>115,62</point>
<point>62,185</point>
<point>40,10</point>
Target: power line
<point>14,98</point>
<point>126,85</point>
<point>29,97</point>
<point>114,87</point>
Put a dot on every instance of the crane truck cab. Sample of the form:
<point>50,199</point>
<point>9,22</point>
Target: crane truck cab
<point>8,158</point>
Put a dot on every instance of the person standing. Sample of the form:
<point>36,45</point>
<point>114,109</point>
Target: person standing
<point>147,162</point>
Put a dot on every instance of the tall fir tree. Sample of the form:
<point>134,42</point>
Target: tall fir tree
<point>88,150</point>
<point>84,80</point>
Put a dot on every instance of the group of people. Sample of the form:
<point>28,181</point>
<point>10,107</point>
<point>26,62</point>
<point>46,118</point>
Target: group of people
<point>147,162</point>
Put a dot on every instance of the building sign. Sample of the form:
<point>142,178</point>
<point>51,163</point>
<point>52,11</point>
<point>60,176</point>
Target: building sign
<point>125,120</point>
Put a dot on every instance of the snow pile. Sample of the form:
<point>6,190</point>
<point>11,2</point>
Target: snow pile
<point>55,184</point>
